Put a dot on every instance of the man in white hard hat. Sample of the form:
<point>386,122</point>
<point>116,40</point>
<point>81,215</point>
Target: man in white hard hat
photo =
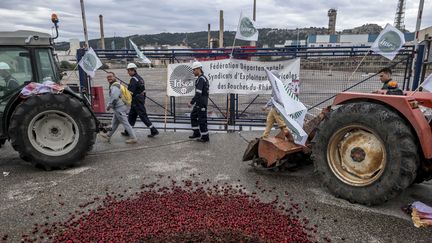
<point>137,88</point>
<point>11,82</point>
<point>199,103</point>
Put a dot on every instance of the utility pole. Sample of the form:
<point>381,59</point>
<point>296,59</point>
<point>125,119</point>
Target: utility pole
<point>418,24</point>
<point>84,23</point>
<point>102,32</point>
<point>208,36</point>
<point>221,29</point>
<point>253,43</point>
<point>419,19</point>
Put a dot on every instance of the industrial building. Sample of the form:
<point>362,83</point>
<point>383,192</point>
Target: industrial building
<point>347,40</point>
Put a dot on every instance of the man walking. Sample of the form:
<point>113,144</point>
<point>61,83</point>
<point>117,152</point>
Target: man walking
<point>137,88</point>
<point>119,108</point>
<point>199,103</point>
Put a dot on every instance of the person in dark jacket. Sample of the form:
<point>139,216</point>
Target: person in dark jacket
<point>385,77</point>
<point>137,88</point>
<point>199,103</point>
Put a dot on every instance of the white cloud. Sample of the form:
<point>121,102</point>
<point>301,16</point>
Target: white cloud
<point>148,16</point>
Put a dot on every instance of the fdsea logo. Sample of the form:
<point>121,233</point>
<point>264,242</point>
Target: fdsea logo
<point>89,62</point>
<point>182,80</point>
<point>389,42</point>
<point>247,28</point>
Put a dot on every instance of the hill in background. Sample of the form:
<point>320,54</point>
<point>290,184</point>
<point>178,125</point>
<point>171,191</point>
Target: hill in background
<point>267,36</point>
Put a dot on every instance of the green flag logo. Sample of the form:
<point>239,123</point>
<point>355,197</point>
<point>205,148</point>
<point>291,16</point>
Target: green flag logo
<point>389,42</point>
<point>247,28</point>
<point>89,62</point>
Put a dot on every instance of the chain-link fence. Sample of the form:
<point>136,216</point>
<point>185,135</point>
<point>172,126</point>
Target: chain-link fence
<point>323,74</point>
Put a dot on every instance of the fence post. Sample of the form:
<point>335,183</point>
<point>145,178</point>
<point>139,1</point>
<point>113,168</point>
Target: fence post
<point>418,66</point>
<point>82,75</point>
<point>232,113</point>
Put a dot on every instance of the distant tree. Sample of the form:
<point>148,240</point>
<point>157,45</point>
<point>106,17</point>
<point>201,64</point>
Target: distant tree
<point>66,66</point>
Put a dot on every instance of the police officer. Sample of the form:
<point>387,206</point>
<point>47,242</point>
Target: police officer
<point>11,82</point>
<point>199,103</point>
<point>137,88</point>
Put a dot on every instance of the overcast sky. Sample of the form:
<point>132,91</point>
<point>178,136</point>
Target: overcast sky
<point>126,17</point>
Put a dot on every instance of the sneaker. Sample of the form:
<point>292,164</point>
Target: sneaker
<point>125,133</point>
<point>131,141</point>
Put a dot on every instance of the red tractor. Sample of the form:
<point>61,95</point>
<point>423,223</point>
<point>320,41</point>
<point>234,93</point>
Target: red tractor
<point>367,149</point>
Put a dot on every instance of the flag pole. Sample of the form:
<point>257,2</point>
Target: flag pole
<point>166,109</point>
<point>358,66</point>
<point>232,51</point>
<point>73,71</point>
<point>166,105</point>
<point>238,25</point>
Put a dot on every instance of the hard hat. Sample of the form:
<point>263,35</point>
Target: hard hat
<point>196,65</point>
<point>4,66</point>
<point>132,65</point>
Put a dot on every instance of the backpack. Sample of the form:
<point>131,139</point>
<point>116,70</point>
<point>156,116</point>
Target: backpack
<point>125,96</point>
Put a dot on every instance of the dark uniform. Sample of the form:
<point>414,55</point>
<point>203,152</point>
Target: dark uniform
<point>385,85</point>
<point>137,88</point>
<point>199,110</point>
<point>393,89</point>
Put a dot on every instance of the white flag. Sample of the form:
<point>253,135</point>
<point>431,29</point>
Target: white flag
<point>90,62</point>
<point>389,42</point>
<point>141,56</point>
<point>427,83</point>
<point>246,29</point>
<point>290,108</point>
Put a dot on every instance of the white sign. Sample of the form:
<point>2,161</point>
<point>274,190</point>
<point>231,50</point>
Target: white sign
<point>290,108</point>
<point>90,62</point>
<point>246,29</point>
<point>427,83</point>
<point>388,42</point>
<point>233,76</point>
<point>141,56</point>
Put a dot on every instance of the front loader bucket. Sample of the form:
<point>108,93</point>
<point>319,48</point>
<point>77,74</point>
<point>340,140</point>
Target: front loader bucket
<point>273,149</point>
<point>251,150</point>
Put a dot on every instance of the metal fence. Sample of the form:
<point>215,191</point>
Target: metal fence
<point>324,72</point>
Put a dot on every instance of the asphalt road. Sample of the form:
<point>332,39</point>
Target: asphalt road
<point>118,168</point>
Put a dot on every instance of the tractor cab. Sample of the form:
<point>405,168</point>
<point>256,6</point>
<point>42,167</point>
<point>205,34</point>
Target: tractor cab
<point>25,56</point>
<point>49,129</point>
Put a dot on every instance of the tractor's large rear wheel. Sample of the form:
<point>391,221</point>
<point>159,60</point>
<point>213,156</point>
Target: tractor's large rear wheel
<point>365,153</point>
<point>52,130</point>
